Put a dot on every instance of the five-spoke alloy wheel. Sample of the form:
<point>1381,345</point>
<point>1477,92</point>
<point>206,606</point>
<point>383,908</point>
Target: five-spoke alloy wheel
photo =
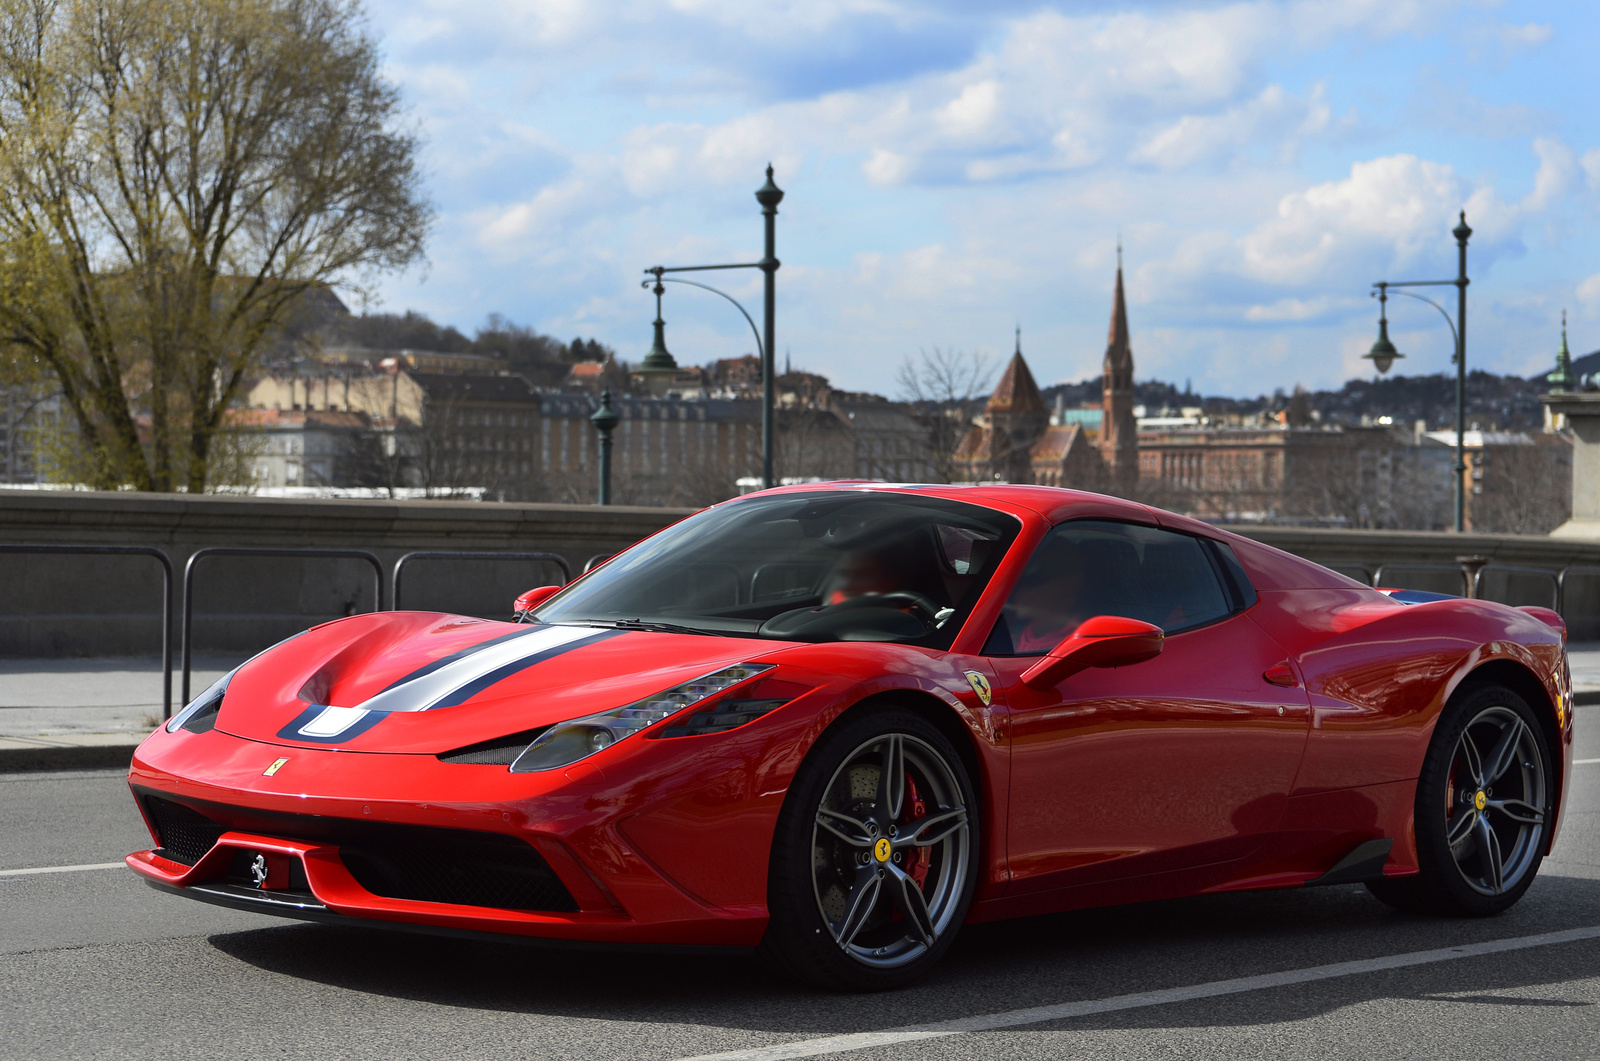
<point>1483,807</point>
<point>874,855</point>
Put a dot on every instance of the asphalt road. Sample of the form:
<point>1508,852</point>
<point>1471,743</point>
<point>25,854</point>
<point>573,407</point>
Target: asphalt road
<point>95,964</point>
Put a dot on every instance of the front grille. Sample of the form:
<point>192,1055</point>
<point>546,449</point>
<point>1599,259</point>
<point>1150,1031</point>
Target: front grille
<point>423,863</point>
<point>185,835</point>
<point>471,869</point>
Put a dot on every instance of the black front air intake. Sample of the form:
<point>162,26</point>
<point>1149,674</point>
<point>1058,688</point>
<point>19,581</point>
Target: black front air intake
<point>456,866</point>
<point>184,835</point>
<point>423,863</point>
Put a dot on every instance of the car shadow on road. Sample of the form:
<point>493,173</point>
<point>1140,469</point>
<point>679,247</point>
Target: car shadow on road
<point>1036,961</point>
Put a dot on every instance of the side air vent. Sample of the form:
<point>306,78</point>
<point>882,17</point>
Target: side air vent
<point>728,714</point>
<point>502,751</point>
<point>185,835</point>
<point>205,719</point>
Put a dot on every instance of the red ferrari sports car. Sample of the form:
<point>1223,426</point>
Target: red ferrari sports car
<point>837,722</point>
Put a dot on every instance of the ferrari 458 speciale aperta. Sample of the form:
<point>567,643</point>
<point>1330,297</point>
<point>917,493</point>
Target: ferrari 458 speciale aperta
<point>837,722</point>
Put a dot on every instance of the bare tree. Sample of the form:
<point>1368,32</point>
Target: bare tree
<point>1525,489</point>
<point>943,385</point>
<point>175,175</point>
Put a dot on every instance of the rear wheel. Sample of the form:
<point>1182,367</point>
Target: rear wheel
<point>874,857</point>
<point>1483,809</point>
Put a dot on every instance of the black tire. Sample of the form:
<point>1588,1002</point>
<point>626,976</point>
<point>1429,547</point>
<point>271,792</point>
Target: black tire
<point>1487,739</point>
<point>859,906</point>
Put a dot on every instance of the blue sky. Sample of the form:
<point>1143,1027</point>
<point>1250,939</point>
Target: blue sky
<point>953,168</point>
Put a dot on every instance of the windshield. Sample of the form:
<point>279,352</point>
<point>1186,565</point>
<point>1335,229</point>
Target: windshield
<point>827,566</point>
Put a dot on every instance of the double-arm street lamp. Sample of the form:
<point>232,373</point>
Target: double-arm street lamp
<point>659,367</point>
<point>1383,352</point>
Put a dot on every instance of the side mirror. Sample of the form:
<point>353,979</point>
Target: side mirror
<point>531,600</point>
<point>1104,641</point>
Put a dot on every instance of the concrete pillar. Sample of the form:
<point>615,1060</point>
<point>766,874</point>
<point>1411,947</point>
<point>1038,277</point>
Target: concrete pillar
<point>1581,413</point>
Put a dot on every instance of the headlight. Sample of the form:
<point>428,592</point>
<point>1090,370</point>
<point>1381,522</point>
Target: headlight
<point>201,714</point>
<point>566,742</point>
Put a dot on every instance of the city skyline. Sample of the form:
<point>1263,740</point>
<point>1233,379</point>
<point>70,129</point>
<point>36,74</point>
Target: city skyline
<point>951,172</point>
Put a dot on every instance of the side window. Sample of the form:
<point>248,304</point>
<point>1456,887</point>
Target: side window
<point>1086,568</point>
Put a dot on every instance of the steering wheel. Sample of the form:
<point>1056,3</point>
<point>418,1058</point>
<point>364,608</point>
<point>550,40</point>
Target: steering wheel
<point>914,601</point>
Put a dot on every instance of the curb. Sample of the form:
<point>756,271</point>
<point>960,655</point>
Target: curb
<point>72,757</point>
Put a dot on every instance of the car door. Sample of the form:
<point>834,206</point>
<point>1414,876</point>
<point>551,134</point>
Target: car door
<point>1183,760</point>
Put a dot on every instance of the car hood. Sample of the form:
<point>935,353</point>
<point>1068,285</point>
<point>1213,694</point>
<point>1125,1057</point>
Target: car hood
<point>426,683</point>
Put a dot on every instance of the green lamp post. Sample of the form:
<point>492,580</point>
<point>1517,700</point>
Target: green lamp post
<point>658,368</point>
<point>605,421</point>
<point>1383,353</point>
<point>769,195</point>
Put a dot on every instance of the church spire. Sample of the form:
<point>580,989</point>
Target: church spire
<point>1562,378</point>
<point>1118,352</point>
<point>1119,430</point>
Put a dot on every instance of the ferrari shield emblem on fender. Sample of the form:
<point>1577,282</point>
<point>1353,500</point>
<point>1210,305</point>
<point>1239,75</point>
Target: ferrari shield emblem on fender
<point>980,685</point>
<point>277,764</point>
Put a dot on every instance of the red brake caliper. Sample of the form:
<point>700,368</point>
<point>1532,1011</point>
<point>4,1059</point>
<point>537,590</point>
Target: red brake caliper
<point>916,864</point>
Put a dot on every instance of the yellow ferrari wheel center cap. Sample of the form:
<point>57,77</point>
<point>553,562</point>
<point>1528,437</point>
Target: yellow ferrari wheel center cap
<point>881,850</point>
<point>1481,800</point>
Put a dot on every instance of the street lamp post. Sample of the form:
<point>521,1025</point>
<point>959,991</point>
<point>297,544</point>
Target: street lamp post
<point>605,420</point>
<point>1383,352</point>
<point>769,196</point>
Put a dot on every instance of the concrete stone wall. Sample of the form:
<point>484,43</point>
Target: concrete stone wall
<point>74,605</point>
<point>52,606</point>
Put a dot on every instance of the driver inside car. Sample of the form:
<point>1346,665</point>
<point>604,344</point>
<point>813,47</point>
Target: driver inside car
<point>859,573</point>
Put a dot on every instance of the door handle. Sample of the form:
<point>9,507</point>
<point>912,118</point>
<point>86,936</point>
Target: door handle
<point>1281,674</point>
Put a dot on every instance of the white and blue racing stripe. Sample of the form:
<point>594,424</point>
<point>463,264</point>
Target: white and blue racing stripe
<point>445,682</point>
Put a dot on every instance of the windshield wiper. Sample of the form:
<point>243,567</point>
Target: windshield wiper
<point>641,624</point>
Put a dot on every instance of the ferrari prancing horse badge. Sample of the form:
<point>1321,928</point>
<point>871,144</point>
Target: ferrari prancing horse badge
<point>980,685</point>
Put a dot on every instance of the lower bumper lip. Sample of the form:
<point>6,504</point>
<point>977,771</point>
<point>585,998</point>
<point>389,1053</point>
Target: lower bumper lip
<point>334,890</point>
<point>300,908</point>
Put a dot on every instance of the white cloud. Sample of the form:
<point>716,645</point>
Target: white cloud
<point>1273,116</point>
<point>1557,167</point>
<point>1591,168</point>
<point>936,198</point>
<point>886,167</point>
<point>1296,309</point>
<point>1589,290</point>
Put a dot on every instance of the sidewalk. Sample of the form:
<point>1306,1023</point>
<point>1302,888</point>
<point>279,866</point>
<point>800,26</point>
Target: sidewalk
<point>59,714</point>
<point>82,713</point>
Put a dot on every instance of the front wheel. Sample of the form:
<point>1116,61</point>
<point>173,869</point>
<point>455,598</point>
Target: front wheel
<point>874,858</point>
<point>1484,804</point>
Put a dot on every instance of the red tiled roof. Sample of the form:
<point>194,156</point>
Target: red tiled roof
<point>1017,392</point>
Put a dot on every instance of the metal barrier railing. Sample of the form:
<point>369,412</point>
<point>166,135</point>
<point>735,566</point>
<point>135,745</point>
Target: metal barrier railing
<point>1561,583</point>
<point>1454,569</point>
<point>447,554</point>
<point>166,599</point>
<point>596,560</point>
<point>231,550</point>
<point>1512,569</point>
<point>1348,569</point>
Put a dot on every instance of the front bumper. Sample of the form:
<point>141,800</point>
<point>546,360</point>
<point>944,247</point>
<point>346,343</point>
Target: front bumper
<point>624,853</point>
